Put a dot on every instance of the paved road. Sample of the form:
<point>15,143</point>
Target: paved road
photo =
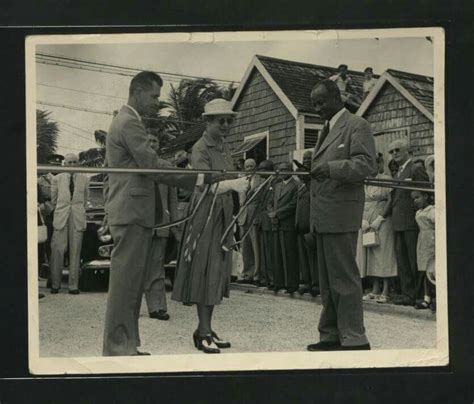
<point>72,326</point>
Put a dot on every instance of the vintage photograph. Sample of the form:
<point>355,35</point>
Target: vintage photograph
<point>270,198</point>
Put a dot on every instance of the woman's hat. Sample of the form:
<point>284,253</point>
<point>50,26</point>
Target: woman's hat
<point>218,106</point>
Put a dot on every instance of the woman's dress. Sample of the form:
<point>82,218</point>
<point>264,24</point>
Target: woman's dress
<point>204,268</point>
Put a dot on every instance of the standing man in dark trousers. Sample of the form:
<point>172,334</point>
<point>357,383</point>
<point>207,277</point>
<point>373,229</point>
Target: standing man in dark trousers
<point>286,272</point>
<point>403,211</point>
<point>130,206</point>
<point>264,231</point>
<point>306,251</point>
<point>344,155</point>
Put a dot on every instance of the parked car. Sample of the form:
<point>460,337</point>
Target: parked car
<point>97,245</point>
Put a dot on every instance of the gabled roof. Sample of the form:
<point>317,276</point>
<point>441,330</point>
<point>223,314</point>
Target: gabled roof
<point>417,89</point>
<point>293,81</point>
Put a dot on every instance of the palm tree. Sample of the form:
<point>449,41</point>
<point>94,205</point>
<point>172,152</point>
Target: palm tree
<point>187,100</point>
<point>46,136</point>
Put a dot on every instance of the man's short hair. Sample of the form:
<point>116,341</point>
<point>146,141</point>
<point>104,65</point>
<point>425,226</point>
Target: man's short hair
<point>400,143</point>
<point>330,86</point>
<point>368,69</point>
<point>266,165</point>
<point>343,66</point>
<point>144,80</point>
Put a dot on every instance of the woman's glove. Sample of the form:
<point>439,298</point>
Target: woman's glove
<point>377,222</point>
<point>365,225</point>
<point>238,185</point>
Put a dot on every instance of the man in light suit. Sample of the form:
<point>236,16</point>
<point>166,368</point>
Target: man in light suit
<point>69,194</point>
<point>130,206</point>
<point>403,211</point>
<point>166,212</point>
<point>344,155</point>
<point>250,247</point>
<point>286,273</point>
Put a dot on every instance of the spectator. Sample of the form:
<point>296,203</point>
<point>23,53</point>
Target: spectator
<point>282,215</point>
<point>402,209</point>
<point>307,258</point>
<point>380,260</point>
<point>369,81</point>
<point>250,247</point>
<point>264,231</point>
<point>166,211</point>
<point>425,252</point>
<point>420,163</point>
<point>429,167</point>
<point>344,83</point>
<point>393,167</point>
<point>69,193</point>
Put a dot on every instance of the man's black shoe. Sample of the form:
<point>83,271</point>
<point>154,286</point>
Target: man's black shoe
<point>290,291</point>
<point>364,347</point>
<point>404,301</point>
<point>40,295</point>
<point>54,291</point>
<point>74,292</point>
<point>314,291</point>
<point>324,346</point>
<point>303,289</point>
<point>143,353</point>
<point>160,315</point>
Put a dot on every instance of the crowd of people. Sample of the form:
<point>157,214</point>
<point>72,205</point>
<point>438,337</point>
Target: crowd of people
<point>304,233</point>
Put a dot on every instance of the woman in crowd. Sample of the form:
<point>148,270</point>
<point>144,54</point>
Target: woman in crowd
<point>380,260</point>
<point>425,250</point>
<point>204,268</point>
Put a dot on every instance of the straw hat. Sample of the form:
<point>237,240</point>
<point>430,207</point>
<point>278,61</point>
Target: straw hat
<point>218,106</point>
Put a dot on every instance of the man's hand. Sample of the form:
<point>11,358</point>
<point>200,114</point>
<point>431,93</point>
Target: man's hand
<point>272,215</point>
<point>104,226</point>
<point>320,172</point>
<point>176,233</point>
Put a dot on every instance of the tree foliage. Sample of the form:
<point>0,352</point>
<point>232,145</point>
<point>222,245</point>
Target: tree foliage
<point>46,136</point>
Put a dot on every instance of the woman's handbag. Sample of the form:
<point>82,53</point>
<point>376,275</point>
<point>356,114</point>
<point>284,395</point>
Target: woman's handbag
<point>42,229</point>
<point>370,239</point>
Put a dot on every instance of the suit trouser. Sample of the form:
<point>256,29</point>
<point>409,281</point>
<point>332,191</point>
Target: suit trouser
<point>286,273</point>
<point>59,242</point>
<point>405,249</point>
<point>342,316</point>
<point>250,253</point>
<point>266,256</point>
<point>307,260</point>
<point>126,285</point>
<point>155,291</point>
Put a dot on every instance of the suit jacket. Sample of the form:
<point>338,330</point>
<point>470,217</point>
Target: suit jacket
<point>401,205</point>
<point>284,204</point>
<point>130,198</point>
<point>166,207</point>
<point>303,209</point>
<point>64,205</point>
<point>337,203</point>
<point>248,213</point>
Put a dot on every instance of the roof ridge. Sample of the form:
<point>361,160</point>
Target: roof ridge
<point>411,75</point>
<point>307,64</point>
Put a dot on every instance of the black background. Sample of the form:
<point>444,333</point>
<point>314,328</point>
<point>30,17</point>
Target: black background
<point>451,384</point>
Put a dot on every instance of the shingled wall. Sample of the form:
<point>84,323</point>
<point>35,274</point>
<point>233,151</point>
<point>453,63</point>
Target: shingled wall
<point>259,109</point>
<point>391,111</point>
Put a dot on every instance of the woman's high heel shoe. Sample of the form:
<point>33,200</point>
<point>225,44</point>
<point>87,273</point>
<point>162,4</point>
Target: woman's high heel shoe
<point>205,343</point>
<point>219,342</point>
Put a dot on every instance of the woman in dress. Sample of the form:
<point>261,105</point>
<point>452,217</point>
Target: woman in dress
<point>204,268</point>
<point>380,261</point>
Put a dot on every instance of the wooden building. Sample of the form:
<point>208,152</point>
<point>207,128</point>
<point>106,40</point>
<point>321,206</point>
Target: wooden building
<point>275,117</point>
<point>401,106</point>
<point>277,121</point>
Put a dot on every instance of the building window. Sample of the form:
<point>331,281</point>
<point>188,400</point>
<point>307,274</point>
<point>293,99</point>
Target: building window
<point>310,138</point>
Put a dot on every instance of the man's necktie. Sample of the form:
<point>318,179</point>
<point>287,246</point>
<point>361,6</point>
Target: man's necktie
<point>71,185</point>
<point>324,133</point>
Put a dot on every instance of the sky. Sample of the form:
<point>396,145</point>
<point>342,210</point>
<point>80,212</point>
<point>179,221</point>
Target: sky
<point>218,60</point>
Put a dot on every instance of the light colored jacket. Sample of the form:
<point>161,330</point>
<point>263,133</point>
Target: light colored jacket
<point>64,206</point>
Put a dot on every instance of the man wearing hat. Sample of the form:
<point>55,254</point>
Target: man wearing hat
<point>69,193</point>
<point>129,206</point>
